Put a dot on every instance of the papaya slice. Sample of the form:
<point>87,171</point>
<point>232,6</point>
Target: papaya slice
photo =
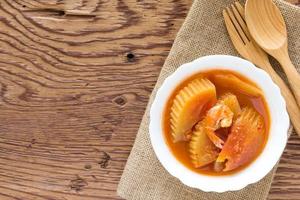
<point>188,107</point>
<point>244,141</point>
<point>202,150</point>
<point>232,102</point>
<point>233,82</point>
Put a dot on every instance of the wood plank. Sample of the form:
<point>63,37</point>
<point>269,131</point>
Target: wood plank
<point>75,77</point>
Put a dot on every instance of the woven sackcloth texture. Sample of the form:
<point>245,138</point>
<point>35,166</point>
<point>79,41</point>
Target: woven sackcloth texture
<point>202,33</point>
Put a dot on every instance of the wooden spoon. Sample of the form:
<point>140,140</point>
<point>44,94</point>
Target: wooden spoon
<point>268,29</point>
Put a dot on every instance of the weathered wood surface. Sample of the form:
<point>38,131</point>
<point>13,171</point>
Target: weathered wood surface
<point>75,77</point>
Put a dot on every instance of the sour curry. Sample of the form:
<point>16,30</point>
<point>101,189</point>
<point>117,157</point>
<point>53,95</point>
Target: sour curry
<point>216,122</point>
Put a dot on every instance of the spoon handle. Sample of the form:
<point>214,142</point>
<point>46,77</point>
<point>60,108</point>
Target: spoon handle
<point>292,107</point>
<point>292,75</point>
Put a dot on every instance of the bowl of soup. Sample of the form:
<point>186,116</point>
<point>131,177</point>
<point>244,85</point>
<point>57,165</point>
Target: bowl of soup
<point>218,123</point>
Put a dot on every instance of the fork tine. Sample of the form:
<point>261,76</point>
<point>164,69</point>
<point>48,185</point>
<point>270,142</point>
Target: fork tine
<point>239,13</point>
<point>241,9</point>
<point>237,26</point>
<point>233,33</point>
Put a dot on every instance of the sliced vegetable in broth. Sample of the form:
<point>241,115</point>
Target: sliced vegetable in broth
<point>202,150</point>
<point>188,106</point>
<point>244,141</point>
<point>233,82</point>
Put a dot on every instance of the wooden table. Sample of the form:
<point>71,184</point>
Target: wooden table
<point>75,77</point>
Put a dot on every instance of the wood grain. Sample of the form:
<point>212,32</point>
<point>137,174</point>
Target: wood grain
<point>75,77</point>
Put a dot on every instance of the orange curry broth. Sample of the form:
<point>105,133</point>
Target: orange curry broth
<point>180,149</point>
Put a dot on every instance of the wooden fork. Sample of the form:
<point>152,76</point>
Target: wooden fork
<point>234,17</point>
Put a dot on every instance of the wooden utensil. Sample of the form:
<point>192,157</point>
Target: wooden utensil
<point>234,17</point>
<point>268,29</point>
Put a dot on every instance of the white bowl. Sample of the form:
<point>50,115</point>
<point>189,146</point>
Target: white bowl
<point>257,169</point>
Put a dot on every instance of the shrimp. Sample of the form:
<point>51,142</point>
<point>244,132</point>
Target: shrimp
<point>220,116</point>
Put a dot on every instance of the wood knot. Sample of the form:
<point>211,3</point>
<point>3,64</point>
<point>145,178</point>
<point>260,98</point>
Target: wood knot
<point>120,100</point>
<point>87,166</point>
<point>104,160</point>
<point>78,184</point>
<point>130,57</point>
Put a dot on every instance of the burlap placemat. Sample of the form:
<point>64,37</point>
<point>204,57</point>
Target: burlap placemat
<point>203,33</point>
